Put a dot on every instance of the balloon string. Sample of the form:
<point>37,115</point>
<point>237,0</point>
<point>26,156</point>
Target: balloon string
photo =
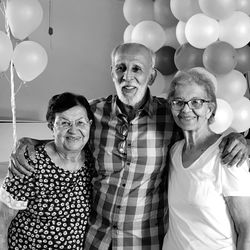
<point>13,104</point>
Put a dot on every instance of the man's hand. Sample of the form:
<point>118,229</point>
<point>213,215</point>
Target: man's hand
<point>18,164</point>
<point>234,149</point>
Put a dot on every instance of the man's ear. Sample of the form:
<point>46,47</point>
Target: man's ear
<point>111,71</point>
<point>152,77</point>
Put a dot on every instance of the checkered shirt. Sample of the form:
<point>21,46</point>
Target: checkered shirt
<point>130,201</point>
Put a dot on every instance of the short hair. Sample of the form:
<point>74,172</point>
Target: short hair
<point>62,102</point>
<point>127,45</point>
<point>199,76</point>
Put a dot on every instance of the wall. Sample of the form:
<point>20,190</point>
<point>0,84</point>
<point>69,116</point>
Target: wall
<point>85,31</point>
<point>37,130</point>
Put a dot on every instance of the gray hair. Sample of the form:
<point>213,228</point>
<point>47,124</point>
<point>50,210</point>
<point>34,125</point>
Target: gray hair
<point>127,45</point>
<point>201,77</point>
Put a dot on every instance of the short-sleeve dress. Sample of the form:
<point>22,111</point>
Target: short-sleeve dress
<point>54,205</point>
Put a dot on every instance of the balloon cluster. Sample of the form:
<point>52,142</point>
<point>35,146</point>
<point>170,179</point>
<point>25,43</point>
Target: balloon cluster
<point>213,34</point>
<point>28,57</point>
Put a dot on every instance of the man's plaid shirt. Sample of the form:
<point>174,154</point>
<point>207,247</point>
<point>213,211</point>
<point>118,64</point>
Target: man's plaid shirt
<point>129,192</point>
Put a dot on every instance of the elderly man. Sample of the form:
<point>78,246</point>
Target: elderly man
<point>131,137</point>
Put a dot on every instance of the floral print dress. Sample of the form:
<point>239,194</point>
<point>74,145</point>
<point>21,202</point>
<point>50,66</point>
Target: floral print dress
<point>54,205</point>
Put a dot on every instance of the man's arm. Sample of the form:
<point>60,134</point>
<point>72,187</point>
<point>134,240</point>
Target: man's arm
<point>18,164</point>
<point>6,216</point>
<point>240,212</point>
<point>234,149</point>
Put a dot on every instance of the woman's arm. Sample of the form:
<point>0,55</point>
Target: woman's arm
<point>6,216</point>
<point>239,208</point>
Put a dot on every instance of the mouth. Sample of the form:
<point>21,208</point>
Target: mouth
<point>73,138</point>
<point>128,89</point>
<point>187,118</point>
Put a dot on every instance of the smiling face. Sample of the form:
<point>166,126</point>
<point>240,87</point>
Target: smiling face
<point>71,129</point>
<point>192,119</point>
<point>132,72</point>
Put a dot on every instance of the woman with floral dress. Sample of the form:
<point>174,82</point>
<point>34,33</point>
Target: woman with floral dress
<point>50,208</point>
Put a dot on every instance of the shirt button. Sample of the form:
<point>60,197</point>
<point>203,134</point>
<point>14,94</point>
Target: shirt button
<point>118,206</point>
<point>115,226</point>
<point>123,184</point>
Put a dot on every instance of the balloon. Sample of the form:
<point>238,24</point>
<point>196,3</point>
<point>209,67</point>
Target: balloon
<point>241,109</point>
<point>163,14</point>
<point>219,58</point>
<point>127,33</point>
<point>150,34</point>
<point>231,86</point>
<point>184,9</point>
<point>164,60</point>
<point>243,5</point>
<point>218,9</point>
<point>223,117</point>
<point>201,30</point>
<point>6,51</point>
<point>235,29</point>
<point>187,56</point>
<point>136,11</point>
<point>171,39</point>
<point>30,59</point>
<point>167,79</point>
<point>157,87</point>
<point>243,59</point>
<point>180,32</point>
<point>24,16</point>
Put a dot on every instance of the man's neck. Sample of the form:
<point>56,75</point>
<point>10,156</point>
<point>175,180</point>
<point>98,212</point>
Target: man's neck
<point>131,111</point>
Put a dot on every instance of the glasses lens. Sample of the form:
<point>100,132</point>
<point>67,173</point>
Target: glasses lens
<point>177,104</point>
<point>123,130</point>
<point>196,103</point>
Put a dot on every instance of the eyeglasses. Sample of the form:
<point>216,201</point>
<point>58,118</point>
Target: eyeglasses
<point>195,103</point>
<point>123,133</point>
<point>66,124</point>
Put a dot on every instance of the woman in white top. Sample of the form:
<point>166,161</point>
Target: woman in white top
<point>209,203</point>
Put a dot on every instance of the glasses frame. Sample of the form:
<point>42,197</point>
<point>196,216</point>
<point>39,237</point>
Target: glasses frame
<point>189,103</point>
<point>122,131</point>
<point>68,124</point>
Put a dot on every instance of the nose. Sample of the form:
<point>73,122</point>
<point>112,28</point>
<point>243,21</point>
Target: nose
<point>128,74</point>
<point>73,127</point>
<point>186,108</point>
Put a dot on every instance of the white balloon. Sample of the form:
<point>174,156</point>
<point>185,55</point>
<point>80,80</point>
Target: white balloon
<point>180,33</point>
<point>149,33</point>
<point>201,30</point>
<point>6,51</point>
<point>24,16</point>
<point>30,59</point>
<point>127,33</point>
<point>235,29</point>
<point>223,117</point>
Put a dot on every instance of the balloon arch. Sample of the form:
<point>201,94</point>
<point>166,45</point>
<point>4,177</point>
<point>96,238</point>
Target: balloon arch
<point>213,34</point>
<point>17,53</point>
